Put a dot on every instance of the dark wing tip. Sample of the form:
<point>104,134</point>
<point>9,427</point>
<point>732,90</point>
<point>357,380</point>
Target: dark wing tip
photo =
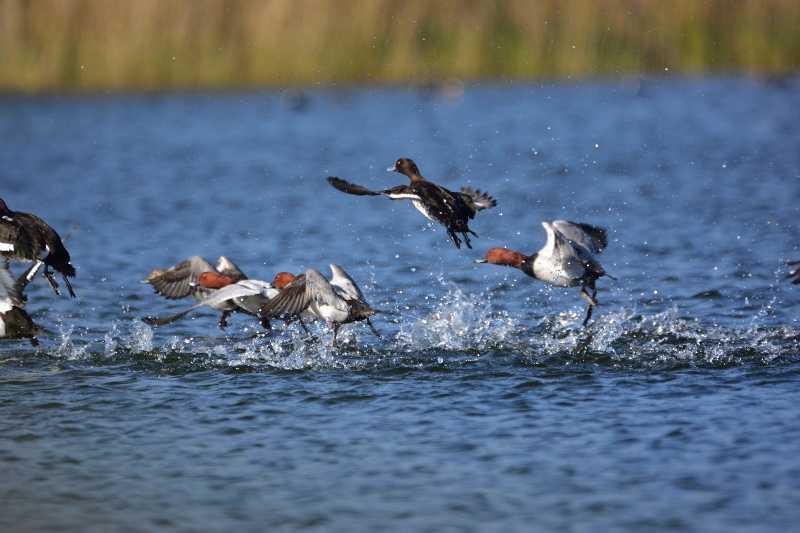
<point>350,188</point>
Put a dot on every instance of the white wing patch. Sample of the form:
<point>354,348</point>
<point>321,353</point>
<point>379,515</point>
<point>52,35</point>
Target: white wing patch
<point>6,247</point>
<point>403,196</point>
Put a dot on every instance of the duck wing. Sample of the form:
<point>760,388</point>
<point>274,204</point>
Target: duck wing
<point>351,188</point>
<point>344,284</point>
<point>576,242</point>
<point>591,239</point>
<point>164,320</point>
<point>29,275</point>
<point>15,241</point>
<point>226,267</point>
<point>307,288</point>
<point>242,289</point>
<point>477,200</point>
<point>178,281</point>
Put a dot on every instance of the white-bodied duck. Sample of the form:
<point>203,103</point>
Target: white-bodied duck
<point>566,260</point>
<point>338,301</point>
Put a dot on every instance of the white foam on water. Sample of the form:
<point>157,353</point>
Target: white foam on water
<point>459,321</point>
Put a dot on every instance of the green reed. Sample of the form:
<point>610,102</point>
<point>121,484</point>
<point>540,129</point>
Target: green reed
<point>94,45</point>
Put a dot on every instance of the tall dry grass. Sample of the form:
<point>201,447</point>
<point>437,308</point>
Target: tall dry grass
<point>89,45</point>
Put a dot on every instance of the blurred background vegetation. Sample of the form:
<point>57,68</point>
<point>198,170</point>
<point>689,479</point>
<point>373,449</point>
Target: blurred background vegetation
<point>132,45</point>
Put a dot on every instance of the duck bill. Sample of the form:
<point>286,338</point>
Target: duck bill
<point>481,260</point>
<point>391,169</point>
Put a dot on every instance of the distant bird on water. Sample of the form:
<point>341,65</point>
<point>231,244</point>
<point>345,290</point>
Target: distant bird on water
<point>26,237</point>
<point>453,210</point>
<point>566,260</point>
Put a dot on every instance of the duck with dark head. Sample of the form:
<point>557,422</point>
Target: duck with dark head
<point>453,210</point>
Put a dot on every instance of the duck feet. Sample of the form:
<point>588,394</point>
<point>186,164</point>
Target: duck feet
<point>455,238</point>
<point>375,331</point>
<point>592,303</point>
<point>51,281</point>
<point>223,320</point>
<point>69,285</point>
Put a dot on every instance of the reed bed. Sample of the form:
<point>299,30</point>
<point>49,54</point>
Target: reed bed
<point>119,45</point>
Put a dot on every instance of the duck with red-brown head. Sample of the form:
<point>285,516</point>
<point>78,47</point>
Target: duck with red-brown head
<point>566,260</point>
<point>26,237</point>
<point>229,295</point>
<point>338,301</point>
<point>453,210</point>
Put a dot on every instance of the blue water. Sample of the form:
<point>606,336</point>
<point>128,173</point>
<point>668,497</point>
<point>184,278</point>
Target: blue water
<point>486,406</point>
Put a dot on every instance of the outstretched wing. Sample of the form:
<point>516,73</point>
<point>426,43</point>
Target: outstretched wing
<point>307,288</point>
<point>351,188</point>
<point>226,267</point>
<point>591,238</point>
<point>344,284</point>
<point>241,289</point>
<point>162,321</point>
<point>177,281</point>
<point>28,276</point>
<point>15,242</point>
<point>480,200</point>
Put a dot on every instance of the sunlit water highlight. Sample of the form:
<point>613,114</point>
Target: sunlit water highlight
<point>485,406</point>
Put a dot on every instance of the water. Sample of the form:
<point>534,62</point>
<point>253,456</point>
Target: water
<point>486,406</point>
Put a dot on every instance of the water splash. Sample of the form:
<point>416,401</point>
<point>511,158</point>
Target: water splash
<point>67,348</point>
<point>460,321</point>
<point>662,338</point>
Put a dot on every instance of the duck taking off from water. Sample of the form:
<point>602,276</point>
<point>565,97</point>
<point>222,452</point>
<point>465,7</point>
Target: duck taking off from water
<point>453,210</point>
<point>338,301</point>
<point>245,296</point>
<point>566,260</point>
<point>198,278</point>
<point>26,237</point>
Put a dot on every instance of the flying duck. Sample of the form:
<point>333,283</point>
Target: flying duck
<point>453,210</point>
<point>26,237</point>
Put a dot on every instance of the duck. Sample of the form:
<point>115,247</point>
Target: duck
<point>337,302</point>
<point>566,260</point>
<point>26,237</point>
<point>15,323</point>
<point>182,280</point>
<point>245,295</point>
<point>196,277</point>
<point>794,273</point>
<point>453,210</point>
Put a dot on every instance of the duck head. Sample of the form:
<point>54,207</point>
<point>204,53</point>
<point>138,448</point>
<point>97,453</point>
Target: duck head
<point>406,166</point>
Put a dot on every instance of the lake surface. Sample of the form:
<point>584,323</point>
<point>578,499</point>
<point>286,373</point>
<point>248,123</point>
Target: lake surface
<point>486,406</point>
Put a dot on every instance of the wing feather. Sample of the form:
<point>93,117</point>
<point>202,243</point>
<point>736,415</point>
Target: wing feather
<point>351,188</point>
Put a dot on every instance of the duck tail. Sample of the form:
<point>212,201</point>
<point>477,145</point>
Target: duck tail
<point>481,200</point>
